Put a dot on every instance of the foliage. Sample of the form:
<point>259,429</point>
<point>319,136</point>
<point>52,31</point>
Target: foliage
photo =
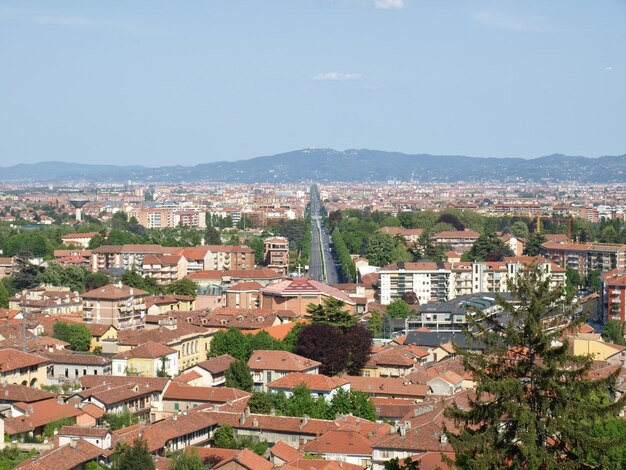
<point>375,324</point>
<point>380,249</point>
<point>241,346</point>
<point>387,327</point>
<point>11,456</point>
<point>225,438</point>
<point>182,287</point>
<point>331,312</point>
<point>120,420</point>
<point>96,280</point>
<point>76,334</point>
<point>212,236</point>
<point>532,395</point>
<point>348,269</point>
<point>614,332</point>
<point>303,403</point>
<point>238,375</point>
<point>533,243</point>
<point>72,277</point>
<point>573,280</point>
<point>398,309</point>
<point>25,275</point>
<point>4,296</point>
<point>337,351</point>
<point>93,465</point>
<point>132,457</point>
<point>451,219</point>
<point>132,278</point>
<point>187,461</point>
<point>593,280</point>
<point>48,430</point>
<point>489,247</point>
<point>520,230</point>
<point>257,244</point>
<point>31,243</point>
<point>406,464</point>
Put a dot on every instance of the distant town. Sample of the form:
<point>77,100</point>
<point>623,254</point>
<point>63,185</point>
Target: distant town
<point>295,326</point>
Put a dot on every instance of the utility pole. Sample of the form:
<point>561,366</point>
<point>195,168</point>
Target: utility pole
<point>23,330</point>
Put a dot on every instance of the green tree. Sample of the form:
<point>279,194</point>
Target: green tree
<point>614,332</point>
<point>520,230</point>
<point>258,246</point>
<point>380,249</point>
<point>187,461</point>
<point>120,420</point>
<point>593,280</point>
<point>76,334</point>
<point>231,341</point>
<point>132,457</point>
<point>95,280</point>
<point>398,309</point>
<point>375,324</point>
<point>95,242</point>
<point>238,375</point>
<point>406,464</point>
<point>533,243</point>
<point>489,247</point>
<point>224,437</point>
<point>331,312</point>
<point>532,394</point>
<point>387,327</point>
<point>212,236</point>
<point>25,275</point>
<point>182,287</point>
<point>119,221</point>
<point>4,296</point>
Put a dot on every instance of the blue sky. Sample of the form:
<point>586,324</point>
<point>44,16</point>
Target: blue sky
<point>158,83</point>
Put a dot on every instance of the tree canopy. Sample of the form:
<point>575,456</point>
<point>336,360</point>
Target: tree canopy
<point>534,401</point>
<point>238,375</point>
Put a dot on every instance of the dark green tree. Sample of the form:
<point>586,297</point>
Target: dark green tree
<point>182,287</point>
<point>212,237</point>
<point>4,296</point>
<point>120,420</point>
<point>224,437</point>
<point>331,311</point>
<point>76,334</point>
<point>187,461</point>
<point>25,275</point>
<point>406,464</point>
<point>238,375</point>
<point>614,332</point>
<point>95,280</point>
<point>532,395</point>
<point>132,457</point>
<point>375,324</point>
<point>489,247</point>
<point>231,341</point>
<point>533,243</point>
<point>387,327</point>
<point>520,230</point>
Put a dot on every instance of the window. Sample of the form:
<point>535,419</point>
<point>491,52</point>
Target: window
<point>176,406</point>
<point>67,372</point>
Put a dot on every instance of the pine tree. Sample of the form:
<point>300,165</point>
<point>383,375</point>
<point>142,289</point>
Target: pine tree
<point>238,376</point>
<point>533,397</point>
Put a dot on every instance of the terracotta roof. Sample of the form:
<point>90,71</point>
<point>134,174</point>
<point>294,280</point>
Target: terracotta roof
<point>82,431</point>
<point>68,457</point>
<point>387,386</point>
<point>39,414</point>
<point>245,286</point>
<point>78,359</point>
<point>113,292</point>
<point>314,382</point>
<point>340,442</point>
<point>183,392</point>
<point>236,274</point>
<point>306,286</point>
<point>217,365</point>
<point>149,350</point>
<point>91,381</point>
<point>17,393</point>
<point>285,452</point>
<point>280,361</point>
<point>248,460</point>
<point>277,331</point>
<point>98,329</point>
<point>313,464</point>
<point>12,359</point>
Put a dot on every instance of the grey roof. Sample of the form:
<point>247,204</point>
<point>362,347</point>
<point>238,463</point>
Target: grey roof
<point>437,338</point>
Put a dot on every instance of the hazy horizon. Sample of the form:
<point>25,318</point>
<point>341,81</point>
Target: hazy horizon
<point>158,84</point>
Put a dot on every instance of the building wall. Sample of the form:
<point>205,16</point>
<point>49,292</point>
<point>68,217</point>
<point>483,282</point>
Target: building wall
<point>34,376</point>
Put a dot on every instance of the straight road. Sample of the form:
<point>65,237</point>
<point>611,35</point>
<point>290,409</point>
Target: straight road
<point>322,265</point>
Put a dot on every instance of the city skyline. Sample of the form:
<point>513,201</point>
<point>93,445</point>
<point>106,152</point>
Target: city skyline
<point>156,85</point>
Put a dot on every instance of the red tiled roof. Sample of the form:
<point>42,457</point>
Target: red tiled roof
<point>12,359</point>
<point>113,292</point>
<point>314,382</point>
<point>280,361</point>
<point>150,350</point>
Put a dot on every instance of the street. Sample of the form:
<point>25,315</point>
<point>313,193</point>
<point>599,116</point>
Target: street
<point>321,269</point>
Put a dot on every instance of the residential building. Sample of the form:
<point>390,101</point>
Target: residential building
<point>179,397</point>
<point>165,269</point>
<point>80,240</point>
<point>47,300</point>
<point>147,360</point>
<point>460,241</point>
<point>17,367</point>
<point>586,257</point>
<point>296,294</point>
<point>429,281</point>
<point>68,368</point>
<point>318,385</point>
<point>267,366</point>
<point>210,373</point>
<point>6,267</point>
<point>277,254</point>
<point>115,304</point>
<point>244,295</point>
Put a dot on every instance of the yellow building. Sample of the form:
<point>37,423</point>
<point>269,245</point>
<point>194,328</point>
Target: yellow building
<point>21,368</point>
<point>598,349</point>
<point>148,360</point>
<point>100,333</point>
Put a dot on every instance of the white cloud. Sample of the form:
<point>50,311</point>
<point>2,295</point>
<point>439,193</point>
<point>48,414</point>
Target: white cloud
<point>338,76</point>
<point>389,4</point>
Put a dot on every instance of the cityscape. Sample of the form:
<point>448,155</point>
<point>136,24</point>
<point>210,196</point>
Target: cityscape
<point>187,283</point>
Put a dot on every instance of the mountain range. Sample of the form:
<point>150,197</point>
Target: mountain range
<point>332,165</point>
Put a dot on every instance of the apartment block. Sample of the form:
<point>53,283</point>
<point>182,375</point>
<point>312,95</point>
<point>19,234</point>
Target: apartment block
<point>277,254</point>
<point>115,304</point>
<point>586,257</point>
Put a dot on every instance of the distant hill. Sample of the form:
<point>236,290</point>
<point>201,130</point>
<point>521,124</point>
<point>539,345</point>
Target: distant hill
<point>332,165</point>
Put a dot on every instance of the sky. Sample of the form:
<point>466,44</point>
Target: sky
<point>186,82</point>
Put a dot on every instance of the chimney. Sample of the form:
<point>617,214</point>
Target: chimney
<point>73,442</point>
<point>242,418</point>
<point>255,423</point>
<point>246,412</point>
<point>175,417</point>
<point>444,438</point>
<point>402,431</point>
<point>304,421</point>
<point>60,400</point>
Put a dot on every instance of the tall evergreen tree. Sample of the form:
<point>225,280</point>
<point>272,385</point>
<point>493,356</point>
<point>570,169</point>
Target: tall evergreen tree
<point>533,397</point>
<point>132,457</point>
<point>238,375</point>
